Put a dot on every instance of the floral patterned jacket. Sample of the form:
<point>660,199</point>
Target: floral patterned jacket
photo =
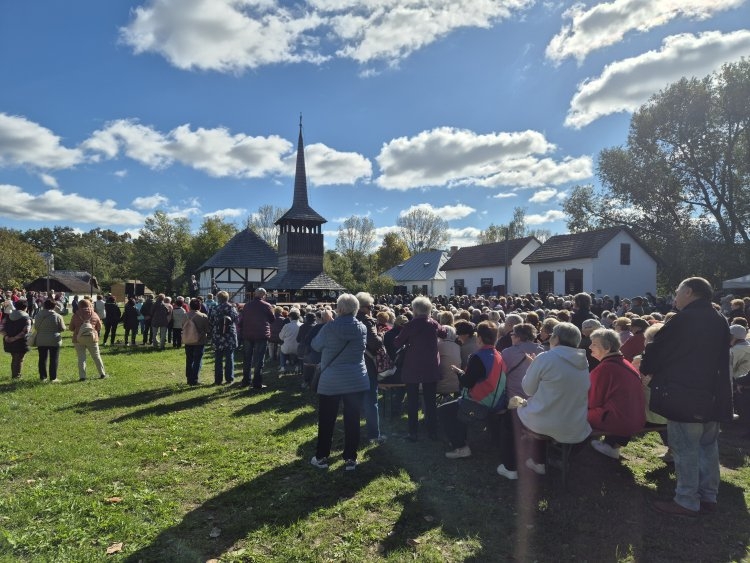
<point>223,327</point>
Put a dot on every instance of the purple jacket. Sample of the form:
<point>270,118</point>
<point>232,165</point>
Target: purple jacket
<point>255,320</point>
<point>422,361</point>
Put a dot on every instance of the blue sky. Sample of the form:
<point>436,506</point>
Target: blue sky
<point>111,110</point>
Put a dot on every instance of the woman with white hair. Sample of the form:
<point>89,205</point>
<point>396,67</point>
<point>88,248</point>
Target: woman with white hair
<point>421,364</point>
<point>343,378</point>
<point>616,402</point>
<point>288,336</point>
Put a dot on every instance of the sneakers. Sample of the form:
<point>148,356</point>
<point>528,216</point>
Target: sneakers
<point>605,449</point>
<point>54,381</point>
<point>321,463</point>
<point>537,468</point>
<point>459,453</point>
<point>350,465</point>
<point>507,473</point>
<point>667,456</point>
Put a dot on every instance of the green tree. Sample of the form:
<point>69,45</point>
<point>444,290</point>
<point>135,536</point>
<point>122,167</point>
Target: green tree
<point>340,269</point>
<point>392,252</point>
<point>20,261</point>
<point>160,251</point>
<point>212,235</point>
<point>422,229</point>
<point>516,228</point>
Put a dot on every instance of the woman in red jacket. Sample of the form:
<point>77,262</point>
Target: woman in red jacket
<point>616,402</point>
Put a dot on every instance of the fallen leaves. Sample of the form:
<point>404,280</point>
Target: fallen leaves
<point>113,500</point>
<point>114,548</point>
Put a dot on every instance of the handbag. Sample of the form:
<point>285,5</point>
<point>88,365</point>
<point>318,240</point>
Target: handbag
<point>319,371</point>
<point>471,412</point>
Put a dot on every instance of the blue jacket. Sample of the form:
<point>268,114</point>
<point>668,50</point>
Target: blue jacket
<point>342,346</point>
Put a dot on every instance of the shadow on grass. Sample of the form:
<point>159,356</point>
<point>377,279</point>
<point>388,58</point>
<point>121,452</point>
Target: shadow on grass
<point>126,401</point>
<point>276,499</point>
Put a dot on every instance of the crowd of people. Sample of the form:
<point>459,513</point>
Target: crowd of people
<point>532,368</point>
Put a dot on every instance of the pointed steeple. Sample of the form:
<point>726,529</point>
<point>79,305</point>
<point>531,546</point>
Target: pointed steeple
<point>301,210</point>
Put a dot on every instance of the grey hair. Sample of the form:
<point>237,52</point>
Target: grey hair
<point>591,323</point>
<point>260,292</point>
<point>364,299</point>
<point>347,304</point>
<point>421,305</point>
<point>513,319</point>
<point>608,339</point>
<point>567,334</point>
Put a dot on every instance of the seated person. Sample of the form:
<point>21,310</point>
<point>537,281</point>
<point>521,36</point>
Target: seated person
<point>616,402</point>
<point>450,355</point>
<point>466,338</point>
<point>557,383</point>
<point>482,382</point>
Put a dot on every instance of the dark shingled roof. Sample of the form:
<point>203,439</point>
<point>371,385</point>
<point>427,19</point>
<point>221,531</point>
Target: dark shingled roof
<point>422,266</point>
<point>64,280</point>
<point>577,245</point>
<point>300,210</point>
<point>485,255</point>
<point>244,250</point>
<point>294,280</point>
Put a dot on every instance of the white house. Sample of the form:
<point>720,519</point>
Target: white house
<point>607,261</point>
<point>241,265</point>
<point>481,269</point>
<point>421,274</point>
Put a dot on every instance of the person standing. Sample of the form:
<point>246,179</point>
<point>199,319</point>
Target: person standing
<point>147,308</point>
<point>195,344</point>
<point>16,329</point>
<point>223,321</point>
<point>374,343</point>
<point>195,287</point>
<point>179,314</point>
<point>160,315</point>
<point>688,366</point>
<point>130,321</point>
<point>49,326</point>
<point>255,327</point>
<point>86,326</point>
<point>111,318</point>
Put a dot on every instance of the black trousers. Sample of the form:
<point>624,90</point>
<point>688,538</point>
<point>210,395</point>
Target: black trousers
<point>328,409</point>
<point>429,391</point>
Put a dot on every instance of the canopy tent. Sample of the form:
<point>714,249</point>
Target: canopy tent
<point>742,282</point>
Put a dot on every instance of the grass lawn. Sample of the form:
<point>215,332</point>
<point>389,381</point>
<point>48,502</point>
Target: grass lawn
<point>154,470</point>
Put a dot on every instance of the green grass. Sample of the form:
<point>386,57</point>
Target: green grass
<point>189,474</point>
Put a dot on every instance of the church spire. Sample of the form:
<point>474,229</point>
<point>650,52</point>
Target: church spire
<point>300,176</point>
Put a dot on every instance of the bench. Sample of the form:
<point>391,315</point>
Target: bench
<point>563,451</point>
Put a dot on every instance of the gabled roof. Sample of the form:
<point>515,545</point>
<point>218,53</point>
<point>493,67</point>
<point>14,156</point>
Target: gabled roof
<point>244,250</point>
<point>422,266</point>
<point>578,245</point>
<point>293,280</point>
<point>64,280</point>
<point>300,210</point>
<point>486,255</point>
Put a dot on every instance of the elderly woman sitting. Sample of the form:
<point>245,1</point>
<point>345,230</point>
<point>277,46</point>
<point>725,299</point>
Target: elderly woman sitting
<point>616,402</point>
<point>557,383</point>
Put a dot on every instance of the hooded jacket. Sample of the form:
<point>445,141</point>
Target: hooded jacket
<point>49,326</point>
<point>557,383</point>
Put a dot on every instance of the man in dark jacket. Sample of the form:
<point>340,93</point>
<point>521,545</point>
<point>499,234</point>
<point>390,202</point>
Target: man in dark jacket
<point>255,328</point>
<point>688,367</point>
<point>111,320</point>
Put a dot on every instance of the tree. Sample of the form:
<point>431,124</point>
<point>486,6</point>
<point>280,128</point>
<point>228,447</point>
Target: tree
<point>422,229</point>
<point>392,252</point>
<point>682,182</point>
<point>20,261</point>
<point>263,223</point>
<point>161,248</point>
<point>212,235</point>
<point>356,236</point>
<point>516,228</point>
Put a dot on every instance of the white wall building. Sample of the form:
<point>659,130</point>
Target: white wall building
<point>421,274</point>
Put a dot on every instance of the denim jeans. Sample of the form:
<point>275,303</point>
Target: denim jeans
<point>370,409</point>
<point>254,355</point>
<point>224,362</point>
<point>327,411</point>
<point>193,361</point>
<point>695,447</point>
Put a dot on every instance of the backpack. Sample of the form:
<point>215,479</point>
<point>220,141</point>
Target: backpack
<point>86,333</point>
<point>190,333</point>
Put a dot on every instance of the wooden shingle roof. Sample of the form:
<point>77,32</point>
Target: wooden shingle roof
<point>485,255</point>
<point>301,210</point>
<point>422,266</point>
<point>301,280</point>
<point>577,246</point>
<point>244,250</point>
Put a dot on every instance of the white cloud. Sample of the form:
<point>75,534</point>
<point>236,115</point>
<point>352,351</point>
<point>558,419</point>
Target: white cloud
<point>183,212</point>
<point>48,180</point>
<point>463,237</point>
<point>447,212</point>
<point>625,85</point>
<point>219,153</point>
<point>121,173</point>
<point>56,206</point>
<point>449,157</point>
<point>543,196</point>
<point>234,35</point>
<point>25,143</point>
<point>150,202</point>
<point>606,23</point>
<point>504,195</point>
<point>547,217</point>
<point>229,213</point>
